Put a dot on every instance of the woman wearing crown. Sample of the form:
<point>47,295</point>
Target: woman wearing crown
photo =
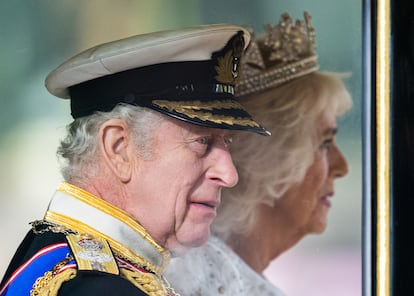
<point>286,180</point>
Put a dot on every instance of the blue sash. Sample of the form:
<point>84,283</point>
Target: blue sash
<point>21,281</point>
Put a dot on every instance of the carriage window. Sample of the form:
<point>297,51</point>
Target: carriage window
<point>49,32</point>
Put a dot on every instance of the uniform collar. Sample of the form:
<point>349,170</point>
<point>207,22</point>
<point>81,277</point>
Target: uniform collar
<point>83,212</point>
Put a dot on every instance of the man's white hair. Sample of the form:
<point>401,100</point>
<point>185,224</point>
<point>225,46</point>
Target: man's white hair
<point>79,150</point>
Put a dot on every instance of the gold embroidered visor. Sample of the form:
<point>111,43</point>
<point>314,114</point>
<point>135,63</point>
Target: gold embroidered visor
<point>227,114</point>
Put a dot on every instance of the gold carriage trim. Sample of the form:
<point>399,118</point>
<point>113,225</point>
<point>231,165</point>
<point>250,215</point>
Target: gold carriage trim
<point>197,109</point>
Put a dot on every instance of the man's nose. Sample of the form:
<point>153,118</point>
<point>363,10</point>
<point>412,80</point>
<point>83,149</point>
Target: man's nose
<point>222,169</point>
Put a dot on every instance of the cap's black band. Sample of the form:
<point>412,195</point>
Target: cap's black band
<point>178,80</point>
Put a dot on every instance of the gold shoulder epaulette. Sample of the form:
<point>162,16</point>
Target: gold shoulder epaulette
<point>92,253</point>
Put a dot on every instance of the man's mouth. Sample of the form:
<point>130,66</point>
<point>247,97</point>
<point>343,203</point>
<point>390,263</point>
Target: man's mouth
<point>326,199</point>
<point>209,204</point>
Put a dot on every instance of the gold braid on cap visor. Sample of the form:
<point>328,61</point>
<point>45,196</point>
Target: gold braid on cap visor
<point>197,109</point>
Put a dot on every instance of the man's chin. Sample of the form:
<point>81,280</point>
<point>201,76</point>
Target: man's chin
<point>179,249</point>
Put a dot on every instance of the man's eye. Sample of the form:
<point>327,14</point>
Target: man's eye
<point>204,140</point>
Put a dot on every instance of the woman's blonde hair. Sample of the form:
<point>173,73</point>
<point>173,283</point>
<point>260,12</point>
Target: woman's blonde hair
<point>269,166</point>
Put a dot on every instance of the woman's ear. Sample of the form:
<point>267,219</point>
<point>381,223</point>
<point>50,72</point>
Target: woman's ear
<point>115,145</point>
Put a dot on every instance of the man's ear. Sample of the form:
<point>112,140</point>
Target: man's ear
<point>115,144</point>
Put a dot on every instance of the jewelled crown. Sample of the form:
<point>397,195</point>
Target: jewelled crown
<point>285,52</point>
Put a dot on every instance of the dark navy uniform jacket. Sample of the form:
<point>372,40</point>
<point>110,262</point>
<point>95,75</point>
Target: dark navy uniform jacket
<point>85,283</point>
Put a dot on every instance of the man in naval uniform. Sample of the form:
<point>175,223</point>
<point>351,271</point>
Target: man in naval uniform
<point>144,163</point>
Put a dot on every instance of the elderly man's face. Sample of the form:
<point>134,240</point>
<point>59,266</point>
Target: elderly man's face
<point>178,190</point>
